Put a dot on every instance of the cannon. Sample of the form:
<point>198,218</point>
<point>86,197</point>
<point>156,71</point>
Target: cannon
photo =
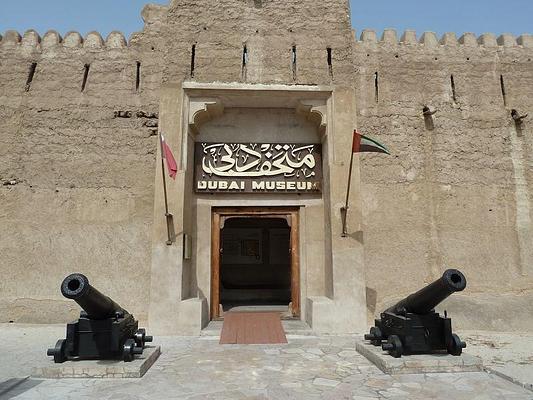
<point>413,327</point>
<point>104,330</point>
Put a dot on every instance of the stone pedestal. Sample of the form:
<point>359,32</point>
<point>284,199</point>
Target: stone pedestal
<point>419,364</point>
<point>101,368</point>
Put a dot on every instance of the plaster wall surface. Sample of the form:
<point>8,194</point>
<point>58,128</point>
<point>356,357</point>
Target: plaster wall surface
<point>259,124</point>
<point>458,195</point>
<point>81,187</point>
<point>269,30</point>
<point>77,171</point>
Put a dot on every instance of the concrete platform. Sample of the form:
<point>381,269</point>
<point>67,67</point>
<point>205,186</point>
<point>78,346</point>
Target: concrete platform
<point>100,369</point>
<point>418,364</point>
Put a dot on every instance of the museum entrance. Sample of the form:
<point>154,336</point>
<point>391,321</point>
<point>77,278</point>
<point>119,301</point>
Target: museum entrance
<point>255,261</point>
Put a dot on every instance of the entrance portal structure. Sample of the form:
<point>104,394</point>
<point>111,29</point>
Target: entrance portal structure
<point>258,152</point>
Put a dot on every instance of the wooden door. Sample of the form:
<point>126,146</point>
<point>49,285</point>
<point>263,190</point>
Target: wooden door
<point>220,215</point>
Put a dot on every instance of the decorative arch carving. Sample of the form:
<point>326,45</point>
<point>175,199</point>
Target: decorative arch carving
<point>203,110</point>
<point>316,112</point>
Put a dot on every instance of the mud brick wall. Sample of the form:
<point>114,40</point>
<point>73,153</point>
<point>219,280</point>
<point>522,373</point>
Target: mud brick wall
<point>78,125</point>
<point>457,190</point>
<point>78,135</point>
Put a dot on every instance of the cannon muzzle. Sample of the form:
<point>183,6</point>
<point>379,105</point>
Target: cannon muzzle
<point>97,306</point>
<point>426,299</point>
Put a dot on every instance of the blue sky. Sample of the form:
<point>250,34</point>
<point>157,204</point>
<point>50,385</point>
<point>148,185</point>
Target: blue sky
<point>478,16</point>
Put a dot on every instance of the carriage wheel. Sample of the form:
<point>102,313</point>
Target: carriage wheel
<point>374,336</point>
<point>127,353</point>
<point>376,332</point>
<point>456,346</point>
<point>139,337</point>
<point>58,352</point>
<point>393,346</point>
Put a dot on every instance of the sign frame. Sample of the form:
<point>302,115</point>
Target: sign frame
<point>280,168</point>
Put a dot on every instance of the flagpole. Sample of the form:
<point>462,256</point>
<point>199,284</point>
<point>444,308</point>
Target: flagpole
<point>370,145</point>
<point>168,216</point>
<point>344,210</point>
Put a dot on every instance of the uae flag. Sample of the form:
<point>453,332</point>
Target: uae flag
<point>363,144</point>
<point>166,153</point>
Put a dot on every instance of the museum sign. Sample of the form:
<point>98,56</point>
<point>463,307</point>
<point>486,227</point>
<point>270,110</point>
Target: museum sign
<point>258,168</point>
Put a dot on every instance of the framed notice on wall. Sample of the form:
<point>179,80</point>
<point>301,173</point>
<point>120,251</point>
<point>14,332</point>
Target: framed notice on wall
<point>251,248</point>
<point>258,168</point>
<point>242,246</point>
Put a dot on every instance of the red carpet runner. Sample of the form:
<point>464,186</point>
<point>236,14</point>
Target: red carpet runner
<point>252,328</point>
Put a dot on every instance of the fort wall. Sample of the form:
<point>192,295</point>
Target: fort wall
<point>457,190</point>
<point>77,149</point>
<point>285,42</point>
<point>78,143</point>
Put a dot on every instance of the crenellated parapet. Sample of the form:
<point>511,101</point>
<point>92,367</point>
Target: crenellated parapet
<point>11,39</point>
<point>153,15</point>
<point>430,40</point>
<point>31,40</point>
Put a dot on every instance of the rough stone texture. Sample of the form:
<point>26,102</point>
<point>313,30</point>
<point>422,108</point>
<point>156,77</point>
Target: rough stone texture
<point>508,355</point>
<point>418,364</point>
<point>458,195</point>
<point>309,367</point>
<point>269,29</point>
<point>77,168</point>
<point>83,193</point>
<point>89,369</point>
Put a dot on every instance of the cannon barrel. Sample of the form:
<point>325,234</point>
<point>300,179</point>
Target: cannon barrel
<point>426,299</point>
<point>97,306</point>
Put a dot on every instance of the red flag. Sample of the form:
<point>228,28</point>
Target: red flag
<point>166,153</point>
<point>356,145</point>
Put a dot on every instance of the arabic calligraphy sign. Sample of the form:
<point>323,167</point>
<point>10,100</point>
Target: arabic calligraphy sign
<point>258,168</point>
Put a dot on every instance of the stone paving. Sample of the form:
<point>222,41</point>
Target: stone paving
<point>506,354</point>
<point>309,367</point>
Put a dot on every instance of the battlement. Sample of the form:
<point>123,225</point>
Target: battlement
<point>430,40</point>
<point>152,14</point>
<point>31,40</point>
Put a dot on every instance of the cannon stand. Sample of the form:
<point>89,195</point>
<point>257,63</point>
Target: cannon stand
<point>412,326</point>
<point>111,338</point>
<point>104,331</point>
<point>415,334</point>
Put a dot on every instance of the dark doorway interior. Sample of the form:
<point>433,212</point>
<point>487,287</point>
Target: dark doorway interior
<point>255,264</point>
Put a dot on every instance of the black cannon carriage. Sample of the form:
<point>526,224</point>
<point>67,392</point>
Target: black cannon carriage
<point>104,330</point>
<point>413,327</point>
